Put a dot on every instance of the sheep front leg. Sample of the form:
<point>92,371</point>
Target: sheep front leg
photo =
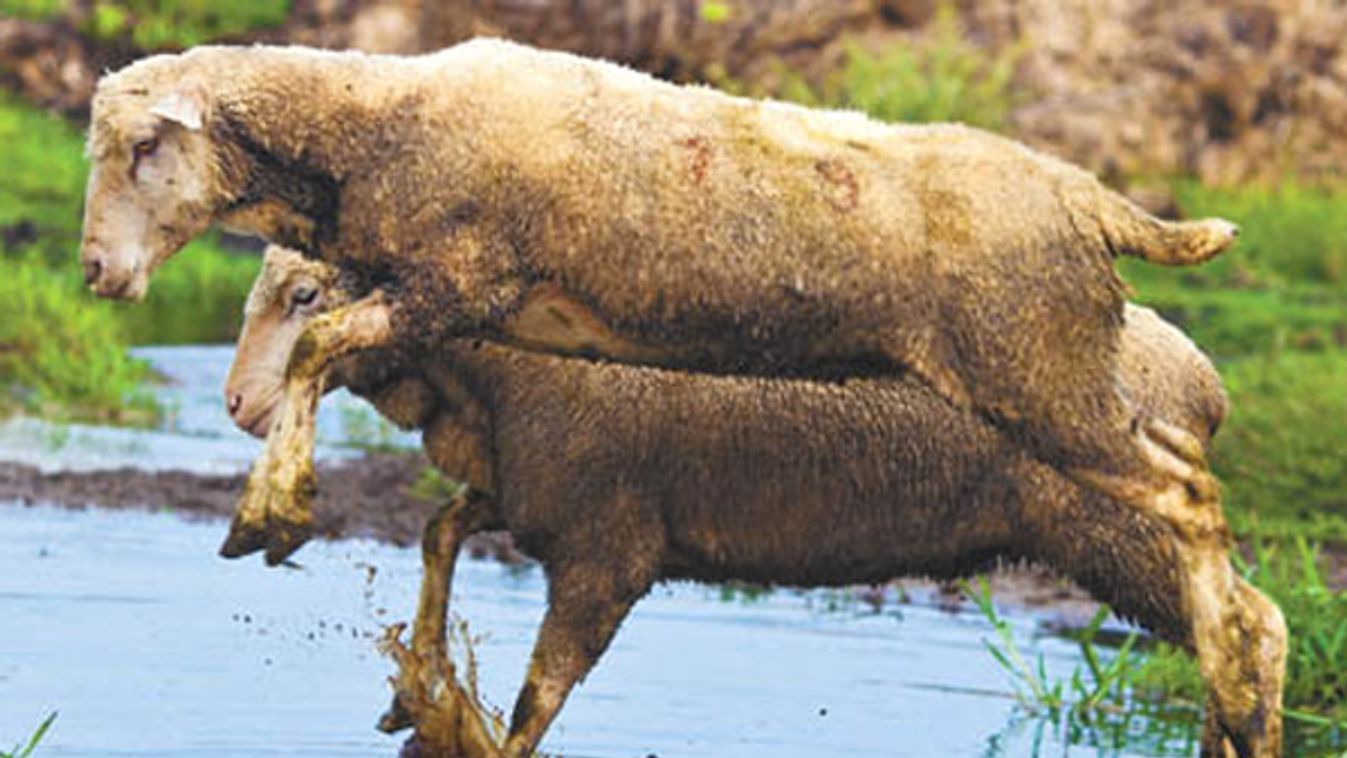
<point>275,511</point>
<point>428,660</point>
<point>448,719</point>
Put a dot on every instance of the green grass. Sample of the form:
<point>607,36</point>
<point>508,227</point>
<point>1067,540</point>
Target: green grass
<point>178,24</point>
<point>33,10</point>
<point>1098,686</point>
<point>1282,287</point>
<point>1292,574</point>
<point>1282,455</point>
<point>160,24</point>
<point>62,354</point>
<point>25,749</point>
<point>940,76</point>
<point>1164,685</point>
<point>43,186</point>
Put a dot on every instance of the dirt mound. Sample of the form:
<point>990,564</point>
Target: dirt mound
<point>1226,91</point>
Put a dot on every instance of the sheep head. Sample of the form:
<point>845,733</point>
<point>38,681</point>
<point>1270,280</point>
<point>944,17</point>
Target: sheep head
<point>154,183</point>
<point>288,293</point>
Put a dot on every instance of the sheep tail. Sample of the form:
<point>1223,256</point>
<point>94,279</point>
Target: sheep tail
<point>1169,243</point>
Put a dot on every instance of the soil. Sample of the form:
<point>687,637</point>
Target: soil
<point>361,497</point>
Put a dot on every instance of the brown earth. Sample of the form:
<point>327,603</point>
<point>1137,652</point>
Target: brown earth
<point>362,497</point>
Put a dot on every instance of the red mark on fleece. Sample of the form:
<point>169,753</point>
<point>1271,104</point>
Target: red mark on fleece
<point>699,156</point>
<point>845,190</point>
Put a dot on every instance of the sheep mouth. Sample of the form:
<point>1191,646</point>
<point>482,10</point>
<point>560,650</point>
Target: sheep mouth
<point>126,289</point>
<point>132,285</point>
<point>258,424</point>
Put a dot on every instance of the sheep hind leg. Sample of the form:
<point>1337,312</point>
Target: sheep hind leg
<point>275,511</point>
<point>585,607</point>
<point>1168,478</point>
<point>1239,637</point>
<point>467,514</point>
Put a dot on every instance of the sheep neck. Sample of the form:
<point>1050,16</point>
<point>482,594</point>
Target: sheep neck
<point>281,200</point>
<point>289,129</point>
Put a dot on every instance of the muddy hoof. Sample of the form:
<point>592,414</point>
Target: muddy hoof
<point>243,539</point>
<point>284,538</point>
<point>396,718</point>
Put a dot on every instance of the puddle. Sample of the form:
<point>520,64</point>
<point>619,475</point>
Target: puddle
<point>150,645</point>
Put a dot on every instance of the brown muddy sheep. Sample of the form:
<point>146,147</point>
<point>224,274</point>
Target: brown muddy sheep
<point>671,226</point>
<point>615,477</point>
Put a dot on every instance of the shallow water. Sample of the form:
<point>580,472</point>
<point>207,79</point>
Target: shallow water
<point>150,645</point>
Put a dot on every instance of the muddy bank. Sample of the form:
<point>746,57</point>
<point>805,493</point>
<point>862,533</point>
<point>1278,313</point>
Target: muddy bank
<point>361,497</point>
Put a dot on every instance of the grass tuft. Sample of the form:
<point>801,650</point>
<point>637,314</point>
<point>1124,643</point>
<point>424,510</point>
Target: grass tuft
<point>24,750</point>
<point>1098,686</point>
<point>62,353</point>
<point>1293,574</point>
<point>939,77</point>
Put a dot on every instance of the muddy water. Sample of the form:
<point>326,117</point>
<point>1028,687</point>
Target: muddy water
<point>150,645</point>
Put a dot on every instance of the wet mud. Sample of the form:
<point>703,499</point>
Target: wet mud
<point>359,497</point>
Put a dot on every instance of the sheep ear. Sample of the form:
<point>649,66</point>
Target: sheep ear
<point>185,107</point>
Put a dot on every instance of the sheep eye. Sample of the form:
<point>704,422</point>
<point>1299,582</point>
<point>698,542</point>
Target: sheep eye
<point>304,295</point>
<point>145,148</point>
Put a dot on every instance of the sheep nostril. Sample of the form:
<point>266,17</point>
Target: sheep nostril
<point>235,403</point>
<point>93,268</point>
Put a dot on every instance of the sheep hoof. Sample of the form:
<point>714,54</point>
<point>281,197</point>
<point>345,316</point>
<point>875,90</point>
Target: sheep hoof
<point>285,537</point>
<point>396,718</point>
<point>243,539</point>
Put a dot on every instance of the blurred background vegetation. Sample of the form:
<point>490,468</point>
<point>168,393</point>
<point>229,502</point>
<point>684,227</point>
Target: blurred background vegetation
<point>1272,312</point>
